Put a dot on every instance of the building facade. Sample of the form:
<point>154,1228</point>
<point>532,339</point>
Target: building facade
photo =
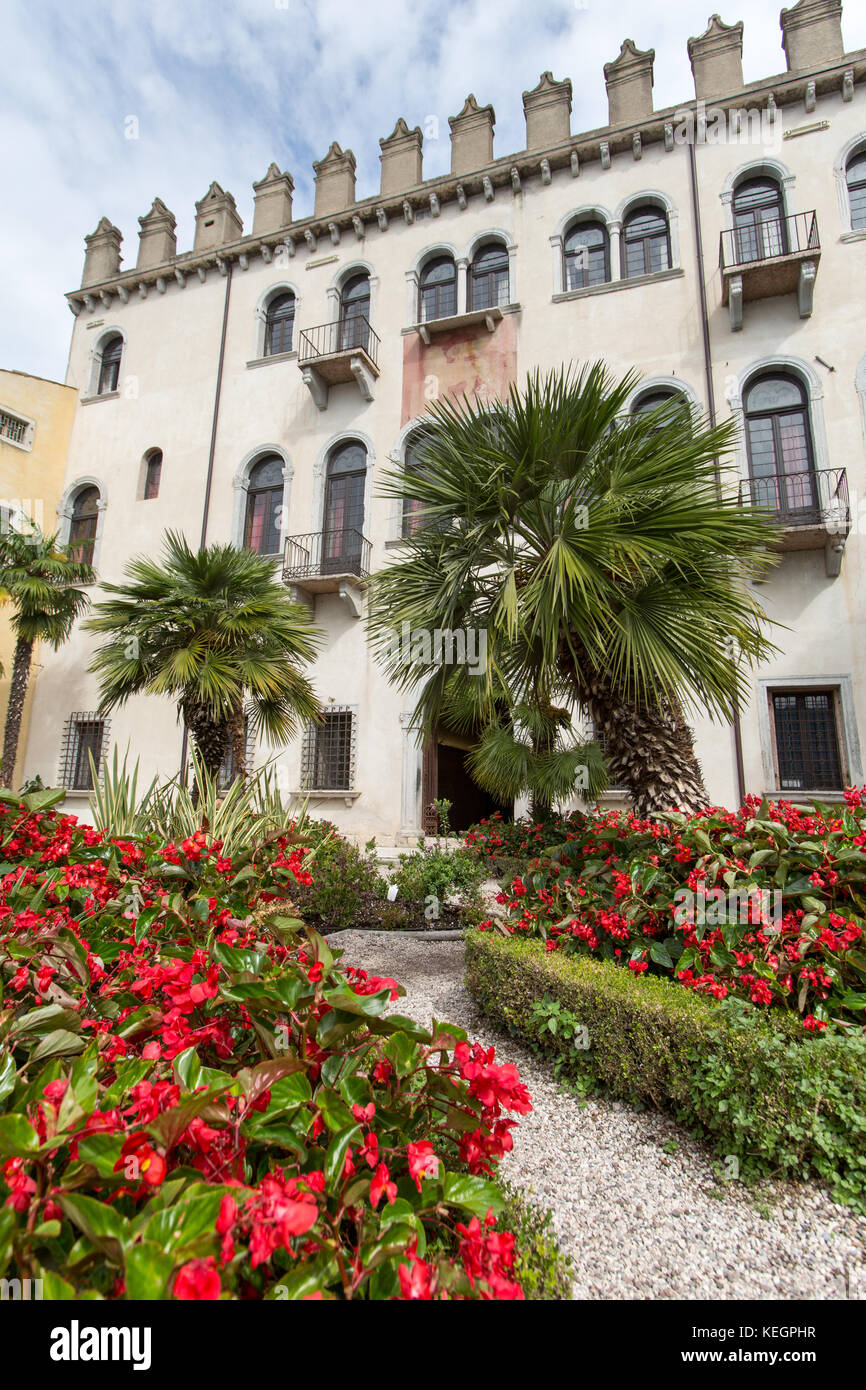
<point>35,423</point>
<point>253,388</point>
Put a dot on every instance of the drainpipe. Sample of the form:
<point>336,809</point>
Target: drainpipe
<point>210,462</point>
<point>711,410</point>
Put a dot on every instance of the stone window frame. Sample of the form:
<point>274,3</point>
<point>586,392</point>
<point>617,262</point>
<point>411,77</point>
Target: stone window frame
<point>856,145</point>
<point>347,272</point>
<point>94,366</point>
<point>25,444</point>
<point>241,487</point>
<point>589,212</point>
<point>762,167</point>
<point>483,238</point>
<point>736,387</point>
<point>413,278</point>
<point>651,384</point>
<point>846,727</point>
<point>662,202</point>
<point>65,507</point>
<point>260,324</point>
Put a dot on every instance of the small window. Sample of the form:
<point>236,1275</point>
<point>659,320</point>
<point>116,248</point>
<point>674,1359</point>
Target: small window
<point>808,755</point>
<point>586,252</point>
<point>646,242</point>
<point>14,429</point>
<point>488,278</point>
<point>264,506</point>
<point>109,365</point>
<point>152,474</point>
<point>438,290</point>
<point>82,528</point>
<point>280,325</point>
<point>329,751</point>
<point>855,174</point>
<point>84,736</point>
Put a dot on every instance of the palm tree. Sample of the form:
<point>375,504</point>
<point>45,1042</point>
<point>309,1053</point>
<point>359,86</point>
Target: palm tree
<point>594,549</point>
<point>214,630</point>
<point>38,580</point>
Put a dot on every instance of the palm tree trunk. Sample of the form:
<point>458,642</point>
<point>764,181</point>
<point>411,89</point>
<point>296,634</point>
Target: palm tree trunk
<point>648,746</point>
<point>15,709</point>
<point>211,735</point>
<point>239,745</point>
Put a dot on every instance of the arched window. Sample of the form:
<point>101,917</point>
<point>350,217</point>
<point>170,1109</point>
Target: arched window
<point>855,176</point>
<point>82,527</point>
<point>779,445</point>
<point>264,506</point>
<point>355,312</point>
<point>343,519</point>
<point>651,400</point>
<point>152,474</point>
<point>109,365</point>
<point>413,507</point>
<point>488,278</point>
<point>438,290</point>
<point>759,220</point>
<point>280,323</point>
<point>586,253</point>
<point>646,242</point>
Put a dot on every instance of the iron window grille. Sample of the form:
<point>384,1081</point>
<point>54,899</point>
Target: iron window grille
<point>84,734</point>
<point>227,771</point>
<point>12,428</point>
<point>807,740</point>
<point>328,754</point>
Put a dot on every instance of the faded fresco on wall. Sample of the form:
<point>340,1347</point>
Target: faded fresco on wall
<point>467,360</point>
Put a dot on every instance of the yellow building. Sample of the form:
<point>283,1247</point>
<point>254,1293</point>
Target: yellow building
<point>35,421</point>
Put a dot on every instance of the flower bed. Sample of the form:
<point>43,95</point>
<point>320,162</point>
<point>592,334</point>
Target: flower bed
<point>749,1081</point>
<point>765,904</point>
<point>199,1106</point>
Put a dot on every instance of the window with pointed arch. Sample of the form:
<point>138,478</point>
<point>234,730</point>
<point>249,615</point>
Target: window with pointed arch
<point>109,365</point>
<point>488,277</point>
<point>280,324</point>
<point>83,525</point>
<point>264,506</point>
<point>780,446</point>
<point>586,256</point>
<point>437,292</point>
<point>855,178</point>
<point>646,242</point>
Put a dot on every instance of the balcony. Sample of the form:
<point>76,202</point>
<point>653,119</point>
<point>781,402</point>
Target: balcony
<point>329,562</point>
<point>764,259</point>
<point>811,509</point>
<point>334,353</point>
<point>450,323</point>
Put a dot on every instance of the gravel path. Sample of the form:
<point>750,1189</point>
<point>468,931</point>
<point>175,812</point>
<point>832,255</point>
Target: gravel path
<point>635,1199</point>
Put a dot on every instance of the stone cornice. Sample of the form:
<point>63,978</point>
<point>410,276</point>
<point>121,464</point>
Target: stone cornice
<point>505,173</point>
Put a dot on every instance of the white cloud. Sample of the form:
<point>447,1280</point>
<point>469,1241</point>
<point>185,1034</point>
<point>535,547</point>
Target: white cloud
<point>220,90</point>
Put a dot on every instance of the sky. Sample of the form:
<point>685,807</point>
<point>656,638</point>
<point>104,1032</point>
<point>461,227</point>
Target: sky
<point>220,88</point>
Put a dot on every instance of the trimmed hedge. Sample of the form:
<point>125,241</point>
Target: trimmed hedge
<point>749,1083</point>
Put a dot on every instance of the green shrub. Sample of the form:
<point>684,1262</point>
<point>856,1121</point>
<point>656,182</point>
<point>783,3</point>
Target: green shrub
<point>347,891</point>
<point>540,1267</point>
<point>753,1085</point>
<point>438,873</point>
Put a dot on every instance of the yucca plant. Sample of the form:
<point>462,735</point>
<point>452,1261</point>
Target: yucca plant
<point>114,802</point>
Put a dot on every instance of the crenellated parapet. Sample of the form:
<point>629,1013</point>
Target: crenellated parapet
<point>817,65</point>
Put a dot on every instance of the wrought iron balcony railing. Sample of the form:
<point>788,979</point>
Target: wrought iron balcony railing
<point>329,339</point>
<point>769,240</point>
<point>809,501</point>
<point>326,555</point>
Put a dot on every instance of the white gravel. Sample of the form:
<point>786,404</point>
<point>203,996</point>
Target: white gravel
<point>639,1222</point>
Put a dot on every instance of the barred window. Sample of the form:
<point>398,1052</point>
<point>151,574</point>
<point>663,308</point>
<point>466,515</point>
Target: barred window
<point>227,771</point>
<point>12,428</point>
<point>84,735</point>
<point>807,740</point>
<point>329,751</point>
